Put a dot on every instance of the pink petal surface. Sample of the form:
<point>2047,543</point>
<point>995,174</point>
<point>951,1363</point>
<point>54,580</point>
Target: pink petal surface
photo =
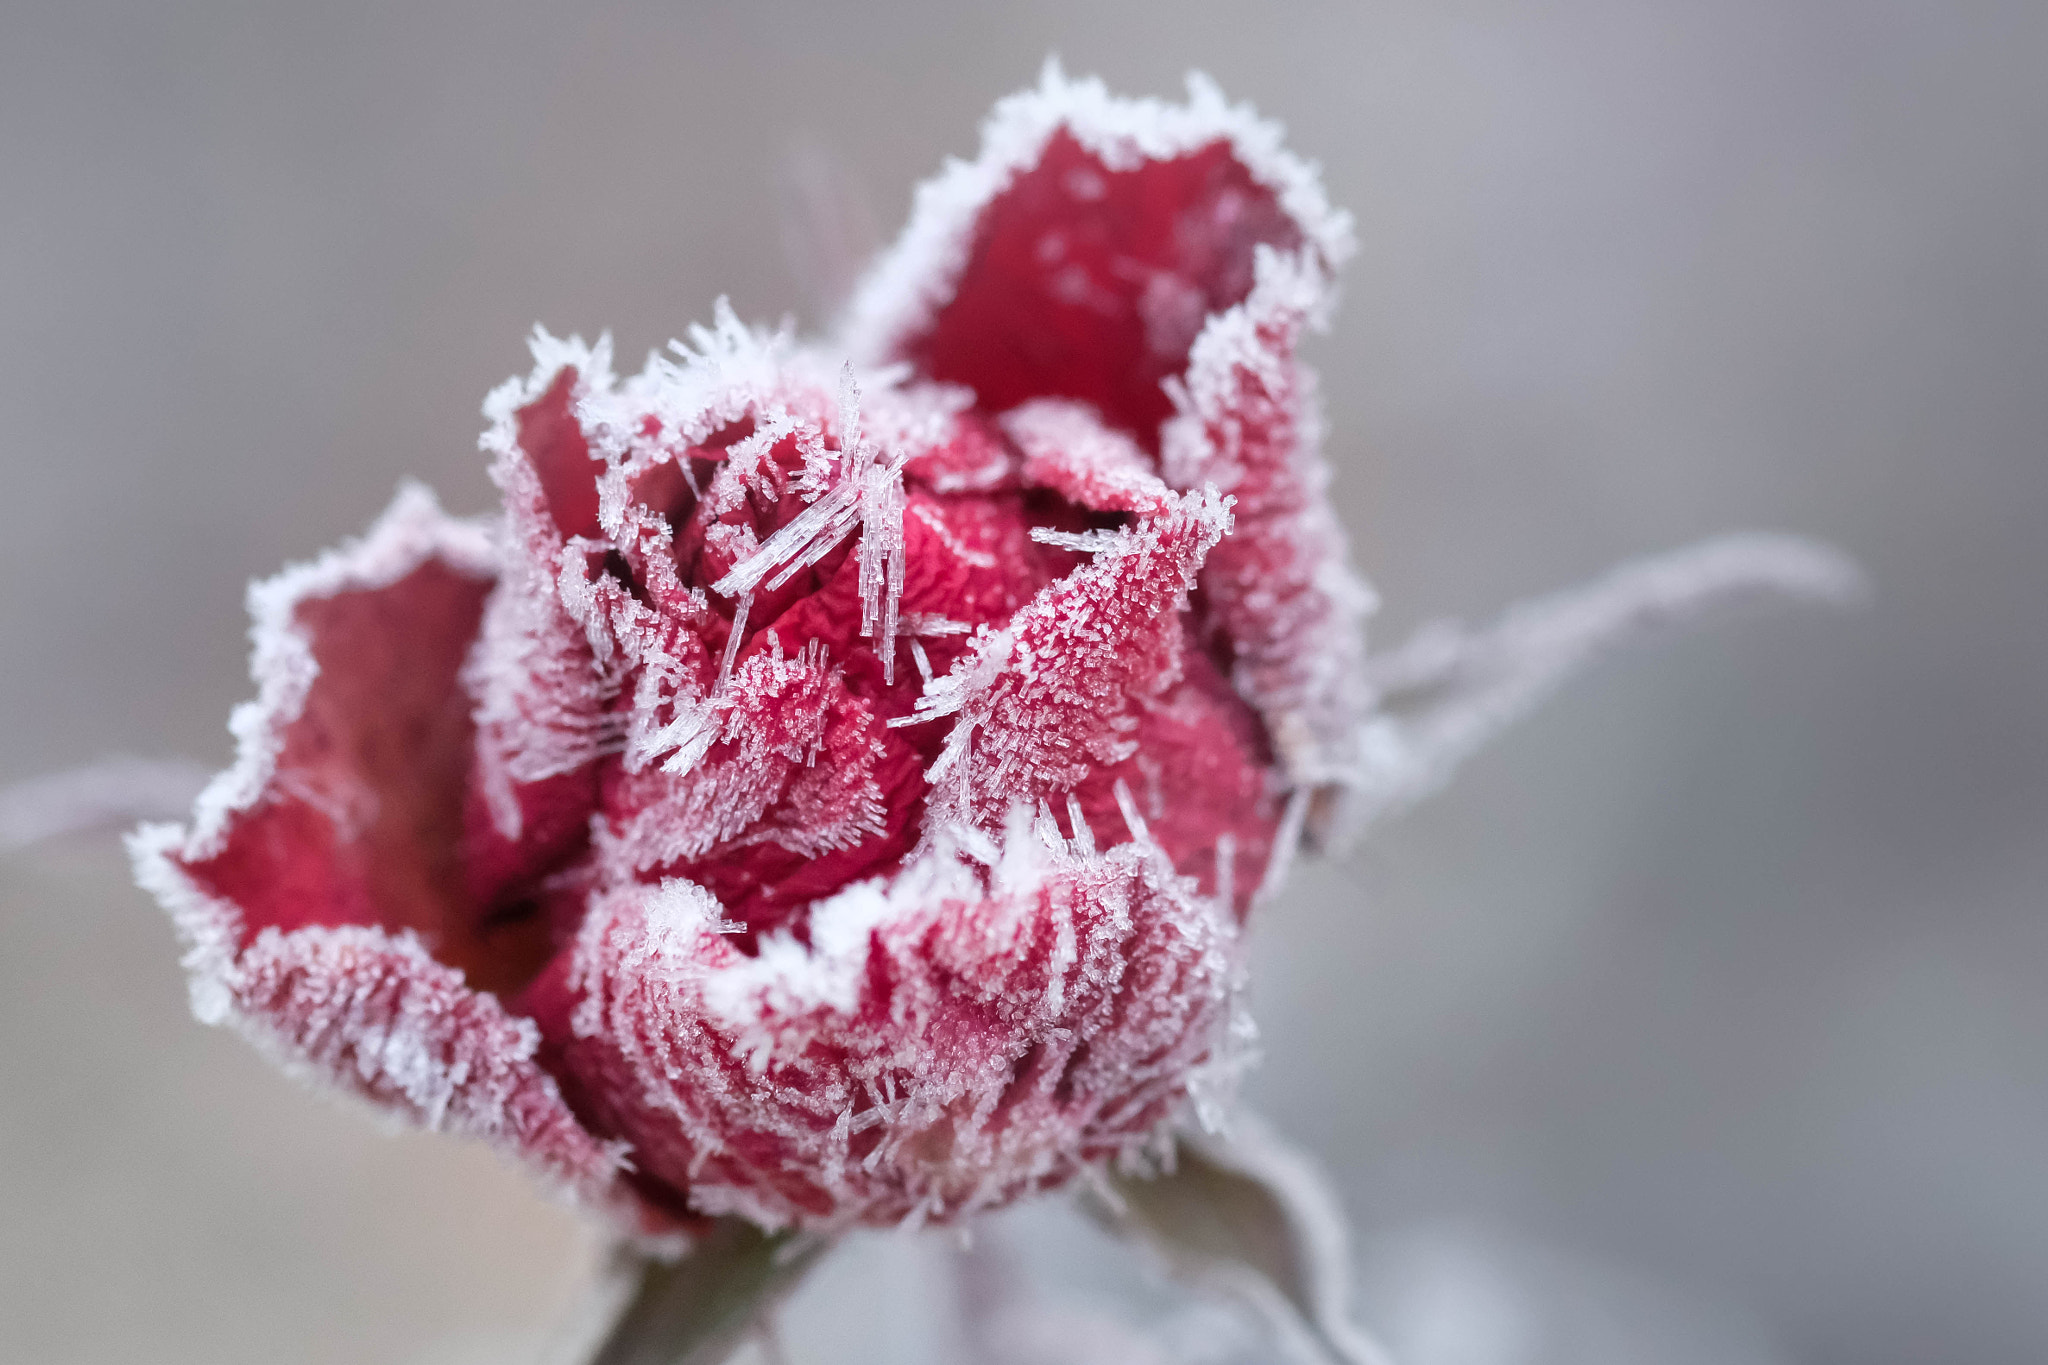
<point>1080,252</point>
<point>944,1042</point>
<point>319,871</point>
<point>1281,591</point>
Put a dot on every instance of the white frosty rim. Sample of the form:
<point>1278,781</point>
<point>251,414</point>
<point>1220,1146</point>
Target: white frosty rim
<point>915,277</point>
<point>411,531</point>
<point>401,1054</point>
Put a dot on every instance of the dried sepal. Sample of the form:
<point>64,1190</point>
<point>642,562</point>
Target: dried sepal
<point>1245,1214</point>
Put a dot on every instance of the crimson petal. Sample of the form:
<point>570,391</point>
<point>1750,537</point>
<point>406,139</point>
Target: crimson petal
<point>319,889</point>
<point>1080,254</point>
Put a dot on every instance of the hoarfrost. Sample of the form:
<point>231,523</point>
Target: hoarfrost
<point>859,1068</point>
<point>1049,696</point>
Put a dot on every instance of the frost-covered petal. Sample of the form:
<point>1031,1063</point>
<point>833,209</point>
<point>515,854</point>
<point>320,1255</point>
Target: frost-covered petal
<point>1080,253</point>
<point>944,1042</point>
<point>543,695</point>
<point>319,890</point>
<point>1200,776</point>
<point>345,803</point>
<point>1053,694</point>
<point>1280,589</point>
<point>372,1014</point>
<point>797,793</point>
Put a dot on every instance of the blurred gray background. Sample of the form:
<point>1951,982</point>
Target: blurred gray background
<point>1728,974</point>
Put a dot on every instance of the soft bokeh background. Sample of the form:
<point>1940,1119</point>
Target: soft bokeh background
<point>1722,984</point>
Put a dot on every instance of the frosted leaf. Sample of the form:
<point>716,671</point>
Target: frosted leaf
<point>1247,1215</point>
<point>1450,689</point>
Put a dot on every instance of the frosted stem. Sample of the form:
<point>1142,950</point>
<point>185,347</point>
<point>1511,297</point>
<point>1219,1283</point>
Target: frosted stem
<point>702,1307</point>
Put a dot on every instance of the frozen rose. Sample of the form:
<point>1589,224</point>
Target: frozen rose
<point>833,790</point>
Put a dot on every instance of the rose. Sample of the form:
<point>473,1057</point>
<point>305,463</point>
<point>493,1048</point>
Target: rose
<point>833,790</point>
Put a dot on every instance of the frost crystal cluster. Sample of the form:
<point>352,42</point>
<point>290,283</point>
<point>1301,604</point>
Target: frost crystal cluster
<point>834,789</point>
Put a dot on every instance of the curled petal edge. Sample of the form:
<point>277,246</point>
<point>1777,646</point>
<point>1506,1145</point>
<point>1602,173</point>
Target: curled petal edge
<point>915,277</point>
<point>356,1007</point>
<point>894,970</point>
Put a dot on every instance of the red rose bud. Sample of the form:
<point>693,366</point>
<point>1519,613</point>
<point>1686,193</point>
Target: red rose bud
<point>833,790</point>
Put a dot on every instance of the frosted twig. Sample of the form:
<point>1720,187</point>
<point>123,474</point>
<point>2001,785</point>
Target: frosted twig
<point>1450,689</point>
<point>109,794</point>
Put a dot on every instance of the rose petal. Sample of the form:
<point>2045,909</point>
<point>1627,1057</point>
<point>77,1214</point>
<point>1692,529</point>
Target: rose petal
<point>371,1014</point>
<point>1201,779</point>
<point>345,806</point>
<point>543,696</point>
<point>947,1040</point>
<point>1081,252</point>
<point>1279,589</point>
<point>319,891</point>
<point>1053,695</point>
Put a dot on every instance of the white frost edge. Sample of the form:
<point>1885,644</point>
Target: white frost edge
<point>915,277</point>
<point>411,531</point>
<point>788,978</point>
<point>754,1001</point>
<point>209,928</point>
<point>551,354</point>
